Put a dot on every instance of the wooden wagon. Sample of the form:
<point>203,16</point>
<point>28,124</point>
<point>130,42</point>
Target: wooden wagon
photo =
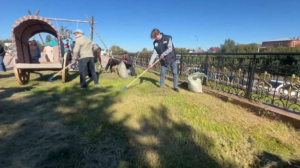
<point>23,29</point>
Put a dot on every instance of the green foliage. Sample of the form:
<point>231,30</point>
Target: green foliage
<point>181,50</point>
<point>48,38</point>
<point>117,50</point>
<point>2,41</point>
<point>230,46</point>
<point>145,50</point>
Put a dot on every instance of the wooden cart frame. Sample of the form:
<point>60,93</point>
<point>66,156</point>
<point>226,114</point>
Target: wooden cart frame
<point>26,27</point>
<point>23,29</point>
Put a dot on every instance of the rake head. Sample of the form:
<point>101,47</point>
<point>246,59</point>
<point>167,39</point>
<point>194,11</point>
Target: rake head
<point>51,79</point>
<point>124,89</point>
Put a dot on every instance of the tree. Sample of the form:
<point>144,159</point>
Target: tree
<point>180,50</point>
<point>48,38</point>
<point>2,41</point>
<point>145,50</point>
<point>228,46</point>
<point>118,50</point>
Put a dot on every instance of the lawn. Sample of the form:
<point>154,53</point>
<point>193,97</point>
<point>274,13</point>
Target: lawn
<point>45,124</point>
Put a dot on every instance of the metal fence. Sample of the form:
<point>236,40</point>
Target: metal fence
<point>269,78</point>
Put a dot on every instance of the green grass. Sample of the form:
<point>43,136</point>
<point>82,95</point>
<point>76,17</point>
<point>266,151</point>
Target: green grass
<point>45,124</point>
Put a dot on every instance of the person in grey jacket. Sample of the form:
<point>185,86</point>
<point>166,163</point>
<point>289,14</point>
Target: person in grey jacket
<point>85,48</point>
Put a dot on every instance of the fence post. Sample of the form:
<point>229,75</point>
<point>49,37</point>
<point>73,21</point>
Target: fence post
<point>206,69</point>
<point>181,63</point>
<point>206,65</point>
<point>251,77</point>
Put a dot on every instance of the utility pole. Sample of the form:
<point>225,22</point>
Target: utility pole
<point>196,43</point>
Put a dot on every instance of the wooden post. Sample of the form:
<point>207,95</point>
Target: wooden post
<point>92,28</point>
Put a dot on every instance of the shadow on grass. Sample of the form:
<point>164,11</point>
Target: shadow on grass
<point>266,159</point>
<point>62,128</point>
<point>8,92</point>
<point>6,75</point>
<point>155,82</point>
<point>184,85</point>
<point>172,143</point>
<point>67,127</point>
<point>70,77</point>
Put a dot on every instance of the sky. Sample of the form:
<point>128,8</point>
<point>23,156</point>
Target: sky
<point>191,23</point>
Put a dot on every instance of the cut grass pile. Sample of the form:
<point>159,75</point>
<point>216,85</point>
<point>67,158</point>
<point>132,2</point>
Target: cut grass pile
<point>45,124</point>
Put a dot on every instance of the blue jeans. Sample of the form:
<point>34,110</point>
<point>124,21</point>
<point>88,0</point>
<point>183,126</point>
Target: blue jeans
<point>2,66</point>
<point>163,74</point>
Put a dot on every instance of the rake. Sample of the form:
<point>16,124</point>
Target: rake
<point>125,88</point>
<point>51,79</point>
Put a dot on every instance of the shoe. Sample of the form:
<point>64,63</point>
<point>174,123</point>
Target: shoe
<point>176,90</point>
<point>97,84</point>
<point>82,88</point>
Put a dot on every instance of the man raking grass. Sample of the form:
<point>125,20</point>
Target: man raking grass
<point>164,49</point>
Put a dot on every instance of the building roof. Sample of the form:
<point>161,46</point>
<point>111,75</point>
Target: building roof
<point>283,39</point>
<point>214,48</point>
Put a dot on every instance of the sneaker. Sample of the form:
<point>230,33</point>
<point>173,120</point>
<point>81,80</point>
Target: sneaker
<point>82,88</point>
<point>176,90</point>
<point>97,84</point>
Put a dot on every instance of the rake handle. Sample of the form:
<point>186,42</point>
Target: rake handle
<point>62,70</point>
<point>142,73</point>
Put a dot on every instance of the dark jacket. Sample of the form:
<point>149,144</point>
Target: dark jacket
<point>162,45</point>
<point>111,62</point>
<point>2,51</point>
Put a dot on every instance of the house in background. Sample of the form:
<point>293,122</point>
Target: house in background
<point>213,49</point>
<point>285,42</point>
<point>195,51</point>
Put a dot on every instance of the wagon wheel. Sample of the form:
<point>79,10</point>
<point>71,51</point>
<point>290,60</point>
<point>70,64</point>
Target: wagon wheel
<point>22,76</point>
<point>65,71</point>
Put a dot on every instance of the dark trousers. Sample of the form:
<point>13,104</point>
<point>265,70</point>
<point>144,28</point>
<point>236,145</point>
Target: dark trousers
<point>131,68</point>
<point>87,64</point>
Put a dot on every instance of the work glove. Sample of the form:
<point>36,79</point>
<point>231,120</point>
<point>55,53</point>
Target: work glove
<point>161,57</point>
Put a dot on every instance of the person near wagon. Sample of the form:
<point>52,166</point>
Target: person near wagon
<point>111,64</point>
<point>67,50</point>
<point>35,51</point>
<point>129,65</point>
<point>75,66</point>
<point>49,52</point>
<point>85,48</point>
<point>164,50</point>
<point>2,54</point>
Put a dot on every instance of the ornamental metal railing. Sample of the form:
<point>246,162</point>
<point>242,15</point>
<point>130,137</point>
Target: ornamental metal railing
<point>268,78</point>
